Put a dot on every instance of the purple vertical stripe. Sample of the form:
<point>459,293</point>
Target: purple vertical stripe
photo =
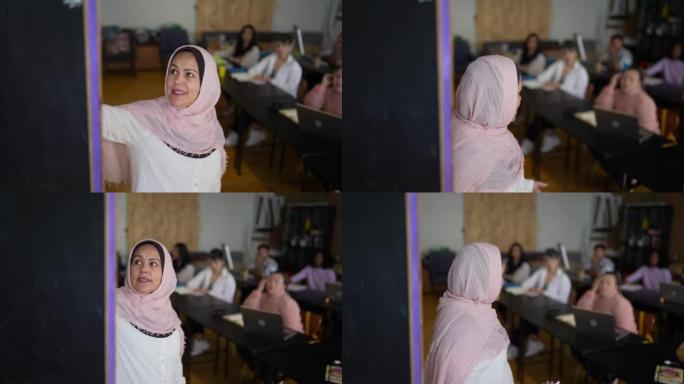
<point>93,71</point>
<point>110,287</point>
<point>415,303</point>
<point>445,40</point>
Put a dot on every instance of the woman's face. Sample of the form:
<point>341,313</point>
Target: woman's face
<point>516,254</point>
<point>247,36</point>
<point>677,51</point>
<point>569,56</point>
<point>283,49</point>
<point>630,82</point>
<point>182,80</point>
<point>275,284</point>
<point>146,269</point>
<point>337,81</point>
<point>217,265</point>
<point>318,259</point>
<point>532,44</point>
<point>552,264</point>
<point>654,259</point>
<point>607,286</point>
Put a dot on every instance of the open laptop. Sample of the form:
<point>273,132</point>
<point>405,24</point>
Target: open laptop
<point>618,125</point>
<point>321,131</point>
<point>333,291</point>
<point>598,325</point>
<point>673,293</point>
<point>269,325</point>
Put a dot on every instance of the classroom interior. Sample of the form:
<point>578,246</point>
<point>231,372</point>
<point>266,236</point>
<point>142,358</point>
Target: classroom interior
<point>294,226</point>
<point>629,225</point>
<point>269,148</point>
<point>575,160</point>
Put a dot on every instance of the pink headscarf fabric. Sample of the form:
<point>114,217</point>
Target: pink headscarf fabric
<point>487,158</point>
<point>194,129</point>
<point>467,330</point>
<point>151,312</point>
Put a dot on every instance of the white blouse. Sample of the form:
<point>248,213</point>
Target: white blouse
<point>248,59</point>
<point>186,273</point>
<point>558,288</point>
<point>495,370</point>
<point>288,76</point>
<point>154,166</point>
<point>574,83</point>
<point>145,359</point>
<point>223,288</point>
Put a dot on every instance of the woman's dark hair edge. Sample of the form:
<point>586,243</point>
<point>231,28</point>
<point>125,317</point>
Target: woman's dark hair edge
<point>239,48</point>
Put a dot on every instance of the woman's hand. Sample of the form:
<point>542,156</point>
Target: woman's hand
<point>551,86</point>
<point>327,81</point>
<point>535,290</point>
<point>262,285</point>
<point>614,80</point>
<point>539,185</point>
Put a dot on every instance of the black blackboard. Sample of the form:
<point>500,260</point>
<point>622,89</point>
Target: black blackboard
<point>52,288</point>
<point>43,111</point>
<point>375,330</point>
<point>391,104</point>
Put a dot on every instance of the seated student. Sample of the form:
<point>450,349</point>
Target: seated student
<point>599,263</point>
<point>549,280</point>
<point>486,156</point>
<point>245,52</point>
<point>216,281</point>
<point>271,296</point>
<point>672,67</point>
<point>469,344</point>
<point>617,58</point>
<point>568,75</point>
<point>317,274</point>
<point>174,143</point>
<point>327,96</point>
<point>517,270</point>
<point>185,270</point>
<point>264,265</point>
<point>652,274</point>
<point>604,296</point>
<point>149,337</point>
<point>630,99</point>
<point>280,68</point>
<point>531,61</point>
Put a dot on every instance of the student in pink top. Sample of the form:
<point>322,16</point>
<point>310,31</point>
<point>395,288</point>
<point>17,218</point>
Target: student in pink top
<point>317,274</point>
<point>651,274</point>
<point>605,297</point>
<point>271,296</point>
<point>630,99</point>
<point>327,96</point>
<point>672,67</point>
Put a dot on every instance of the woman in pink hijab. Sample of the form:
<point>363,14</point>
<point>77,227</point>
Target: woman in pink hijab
<point>149,338</point>
<point>630,99</point>
<point>173,143</point>
<point>487,158</point>
<point>469,344</point>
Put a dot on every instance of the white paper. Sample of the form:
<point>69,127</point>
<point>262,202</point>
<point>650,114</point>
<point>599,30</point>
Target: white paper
<point>568,318</point>
<point>235,318</point>
<point>241,76</point>
<point>652,81</point>
<point>631,287</point>
<point>296,287</point>
<point>588,117</point>
<point>183,290</point>
<point>532,84</point>
<point>516,290</point>
<point>290,113</point>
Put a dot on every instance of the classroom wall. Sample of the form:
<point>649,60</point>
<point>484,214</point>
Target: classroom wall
<point>307,14</point>
<point>561,217</point>
<point>225,219</point>
<point>567,18</point>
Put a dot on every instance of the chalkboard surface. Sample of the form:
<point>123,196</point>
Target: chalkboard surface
<point>375,329</point>
<point>52,288</point>
<point>391,120</point>
<point>43,110</point>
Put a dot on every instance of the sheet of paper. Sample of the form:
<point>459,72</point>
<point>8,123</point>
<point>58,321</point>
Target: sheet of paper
<point>588,117</point>
<point>568,318</point>
<point>532,84</point>
<point>183,290</point>
<point>631,287</point>
<point>296,287</point>
<point>516,290</point>
<point>241,76</point>
<point>235,318</point>
<point>290,113</point>
<point>652,81</point>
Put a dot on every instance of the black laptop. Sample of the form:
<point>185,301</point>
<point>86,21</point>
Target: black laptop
<point>266,324</point>
<point>320,132</point>
<point>333,292</point>
<point>673,293</point>
<point>598,325</point>
<point>618,132</point>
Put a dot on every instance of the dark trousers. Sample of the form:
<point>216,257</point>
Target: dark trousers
<point>535,129</point>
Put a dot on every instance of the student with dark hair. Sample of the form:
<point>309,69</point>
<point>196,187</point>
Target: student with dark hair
<point>532,60</point>
<point>568,75</point>
<point>517,270</point>
<point>327,96</point>
<point>599,263</point>
<point>280,68</point>
<point>671,66</point>
<point>184,269</point>
<point>550,280</point>
<point>617,58</point>
<point>245,52</point>
<point>604,296</point>
<point>264,265</point>
<point>630,99</point>
<point>317,274</point>
<point>652,273</point>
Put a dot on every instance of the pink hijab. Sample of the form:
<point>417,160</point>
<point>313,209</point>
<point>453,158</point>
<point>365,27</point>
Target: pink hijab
<point>151,312</point>
<point>487,158</point>
<point>194,129</point>
<point>467,330</point>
